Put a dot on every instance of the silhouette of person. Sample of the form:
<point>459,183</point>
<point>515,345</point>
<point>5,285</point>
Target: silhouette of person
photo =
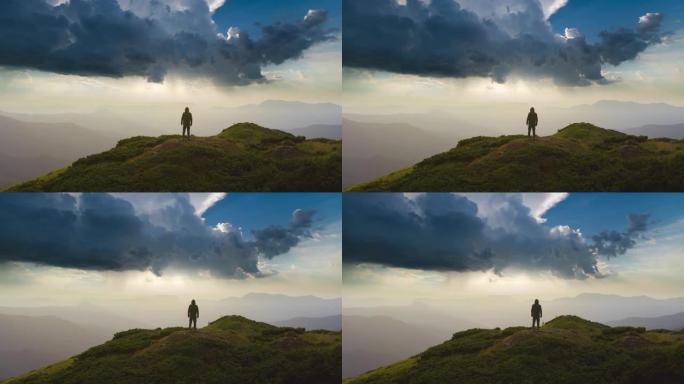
<point>532,121</point>
<point>536,313</point>
<point>193,314</point>
<point>186,121</point>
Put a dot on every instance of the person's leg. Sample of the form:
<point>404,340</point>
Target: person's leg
<point>190,322</point>
<point>529,129</point>
<point>194,323</point>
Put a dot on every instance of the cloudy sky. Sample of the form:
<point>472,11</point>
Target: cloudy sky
<point>399,248</point>
<point>70,249</point>
<point>88,55</point>
<point>450,54</point>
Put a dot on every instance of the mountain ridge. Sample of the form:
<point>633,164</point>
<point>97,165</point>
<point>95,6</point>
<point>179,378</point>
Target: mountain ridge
<point>243,157</point>
<point>579,157</point>
<point>567,349</point>
<point>231,348</point>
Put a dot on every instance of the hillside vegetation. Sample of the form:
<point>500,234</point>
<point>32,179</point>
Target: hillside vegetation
<point>244,157</point>
<point>567,349</point>
<point>579,157</point>
<point>232,349</point>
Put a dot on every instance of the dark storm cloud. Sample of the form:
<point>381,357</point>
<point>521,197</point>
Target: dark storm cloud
<point>440,38</point>
<point>149,38</point>
<point>442,232</point>
<point>613,243</point>
<point>275,240</point>
<point>102,232</point>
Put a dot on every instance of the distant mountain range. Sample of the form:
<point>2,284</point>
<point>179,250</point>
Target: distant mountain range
<point>333,132</point>
<point>673,322</point>
<point>622,115</point>
<point>330,323</point>
<point>280,114</point>
<point>674,131</point>
<point>276,308</point>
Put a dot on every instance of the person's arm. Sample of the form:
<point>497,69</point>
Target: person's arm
<point>189,310</point>
<point>191,125</point>
<point>540,311</point>
<point>197,312</point>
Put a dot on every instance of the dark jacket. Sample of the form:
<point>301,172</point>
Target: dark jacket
<point>193,311</point>
<point>186,119</point>
<point>536,310</point>
<point>532,119</point>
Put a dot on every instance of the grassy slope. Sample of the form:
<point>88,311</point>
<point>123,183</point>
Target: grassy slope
<point>580,157</point>
<point>230,350</point>
<point>567,349</point>
<point>244,157</point>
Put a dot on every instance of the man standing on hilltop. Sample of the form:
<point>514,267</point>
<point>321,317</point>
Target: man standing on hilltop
<point>532,121</point>
<point>193,314</point>
<point>186,121</point>
<point>536,313</point>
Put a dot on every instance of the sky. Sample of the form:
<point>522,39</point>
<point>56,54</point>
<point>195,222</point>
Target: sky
<point>118,55</point>
<point>458,54</point>
<point>403,248</point>
<point>68,249</point>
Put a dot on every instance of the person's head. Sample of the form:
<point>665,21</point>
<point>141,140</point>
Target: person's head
<point>536,301</point>
<point>532,109</point>
<point>193,301</point>
<point>187,109</point>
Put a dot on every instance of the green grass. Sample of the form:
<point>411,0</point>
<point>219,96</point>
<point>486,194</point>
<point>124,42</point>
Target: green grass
<point>580,157</point>
<point>232,349</point>
<point>244,157</point>
<point>566,350</point>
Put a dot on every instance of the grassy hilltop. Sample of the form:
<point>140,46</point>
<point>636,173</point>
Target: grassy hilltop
<point>244,157</point>
<point>579,157</point>
<point>567,350</point>
<point>232,349</point>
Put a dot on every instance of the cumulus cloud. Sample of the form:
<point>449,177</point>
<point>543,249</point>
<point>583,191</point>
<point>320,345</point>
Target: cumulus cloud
<point>483,39</point>
<point>443,232</point>
<point>104,232</point>
<point>146,38</point>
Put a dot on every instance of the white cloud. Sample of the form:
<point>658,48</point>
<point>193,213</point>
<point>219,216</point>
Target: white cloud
<point>203,201</point>
<point>572,33</point>
<point>224,227</point>
<point>215,4</point>
<point>540,203</point>
<point>552,6</point>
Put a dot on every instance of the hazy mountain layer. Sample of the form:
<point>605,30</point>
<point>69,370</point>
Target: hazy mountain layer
<point>31,342</point>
